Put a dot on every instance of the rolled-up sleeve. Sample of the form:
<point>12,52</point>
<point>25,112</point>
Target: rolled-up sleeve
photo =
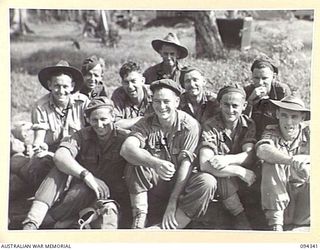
<point>140,130</point>
<point>72,144</point>
<point>209,138</point>
<point>39,119</point>
<point>190,143</point>
<point>268,137</point>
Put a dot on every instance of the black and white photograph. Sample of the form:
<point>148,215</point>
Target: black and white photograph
<point>159,125</point>
<point>160,119</point>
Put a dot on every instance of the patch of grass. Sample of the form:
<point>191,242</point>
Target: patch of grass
<point>278,39</point>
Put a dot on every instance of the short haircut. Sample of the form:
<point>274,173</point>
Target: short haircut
<point>90,62</point>
<point>261,65</point>
<point>129,67</point>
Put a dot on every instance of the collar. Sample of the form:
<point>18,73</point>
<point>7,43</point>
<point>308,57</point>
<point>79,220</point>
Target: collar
<point>90,134</point>
<point>161,72</point>
<point>57,109</point>
<point>147,96</point>
<point>302,137</point>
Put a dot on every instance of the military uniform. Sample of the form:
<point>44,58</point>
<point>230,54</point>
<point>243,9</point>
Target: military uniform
<point>157,72</point>
<point>175,146</point>
<point>282,187</point>
<point>58,125</point>
<point>203,187</point>
<point>263,112</point>
<point>103,161</point>
<point>125,109</point>
<point>208,106</point>
<point>98,90</point>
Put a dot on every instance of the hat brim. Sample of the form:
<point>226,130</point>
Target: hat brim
<point>157,44</point>
<point>292,106</point>
<point>46,73</point>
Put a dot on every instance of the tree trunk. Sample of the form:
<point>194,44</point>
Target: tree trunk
<point>18,25</point>
<point>208,40</point>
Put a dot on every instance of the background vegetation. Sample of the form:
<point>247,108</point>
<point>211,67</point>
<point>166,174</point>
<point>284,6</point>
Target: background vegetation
<point>288,41</point>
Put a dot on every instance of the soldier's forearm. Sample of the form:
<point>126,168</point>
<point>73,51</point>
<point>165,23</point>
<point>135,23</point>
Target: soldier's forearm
<point>127,123</point>
<point>272,155</point>
<point>182,177</point>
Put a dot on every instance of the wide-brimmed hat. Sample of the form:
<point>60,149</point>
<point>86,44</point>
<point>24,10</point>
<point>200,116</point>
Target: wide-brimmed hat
<point>166,83</point>
<point>264,59</point>
<point>61,67</point>
<point>292,103</point>
<point>170,39</point>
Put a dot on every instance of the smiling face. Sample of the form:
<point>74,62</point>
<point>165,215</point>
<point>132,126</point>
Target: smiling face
<point>61,87</point>
<point>263,78</point>
<point>289,121</point>
<point>232,105</point>
<point>165,103</point>
<point>101,121</point>
<point>93,77</point>
<point>132,84</point>
<point>169,55</point>
<point>194,83</point>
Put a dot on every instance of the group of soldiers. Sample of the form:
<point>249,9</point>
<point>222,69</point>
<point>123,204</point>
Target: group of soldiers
<point>162,148</point>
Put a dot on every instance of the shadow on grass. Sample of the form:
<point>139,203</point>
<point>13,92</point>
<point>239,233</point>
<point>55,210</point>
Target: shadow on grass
<point>42,58</point>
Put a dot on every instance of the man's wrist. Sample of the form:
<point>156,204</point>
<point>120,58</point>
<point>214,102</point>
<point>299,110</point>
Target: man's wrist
<point>84,174</point>
<point>290,160</point>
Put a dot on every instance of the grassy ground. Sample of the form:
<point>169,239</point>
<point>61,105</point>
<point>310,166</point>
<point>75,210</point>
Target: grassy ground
<point>288,42</point>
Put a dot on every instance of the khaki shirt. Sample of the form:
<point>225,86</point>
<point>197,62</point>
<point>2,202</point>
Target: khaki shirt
<point>208,106</point>
<point>157,72</point>
<point>124,108</point>
<point>215,137</point>
<point>58,124</point>
<point>301,145</point>
<point>264,112</point>
<point>102,160</point>
<point>175,146</point>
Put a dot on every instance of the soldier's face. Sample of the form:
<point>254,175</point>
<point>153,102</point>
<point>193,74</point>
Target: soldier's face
<point>263,78</point>
<point>232,105</point>
<point>194,83</point>
<point>165,103</point>
<point>101,121</point>
<point>133,84</point>
<point>61,87</point>
<point>169,55</point>
<point>93,76</point>
<point>289,121</point>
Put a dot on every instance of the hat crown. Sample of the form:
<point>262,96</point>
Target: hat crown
<point>172,38</point>
<point>63,63</point>
<point>293,100</point>
<point>166,83</point>
<point>99,101</point>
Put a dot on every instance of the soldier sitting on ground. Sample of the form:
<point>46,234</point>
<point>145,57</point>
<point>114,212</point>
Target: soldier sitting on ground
<point>226,148</point>
<point>91,157</point>
<point>171,51</point>
<point>55,116</point>
<point>133,99</point>
<point>265,87</point>
<point>160,150</point>
<point>196,100</point>
<point>285,151</point>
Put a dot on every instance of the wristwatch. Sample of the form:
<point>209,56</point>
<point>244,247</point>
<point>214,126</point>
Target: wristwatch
<point>83,174</point>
